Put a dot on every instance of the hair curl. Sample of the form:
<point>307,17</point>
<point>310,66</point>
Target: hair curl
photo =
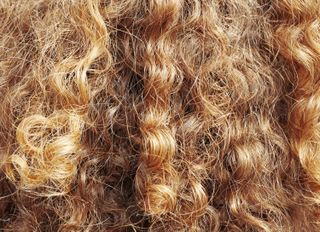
<point>152,115</point>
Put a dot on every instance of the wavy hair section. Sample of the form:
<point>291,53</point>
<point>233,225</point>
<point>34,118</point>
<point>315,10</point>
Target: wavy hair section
<point>153,115</point>
<point>301,48</point>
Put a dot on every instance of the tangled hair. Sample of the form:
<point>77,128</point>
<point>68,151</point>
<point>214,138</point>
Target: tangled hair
<point>160,115</point>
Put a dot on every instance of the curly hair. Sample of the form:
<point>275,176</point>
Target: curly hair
<point>153,115</point>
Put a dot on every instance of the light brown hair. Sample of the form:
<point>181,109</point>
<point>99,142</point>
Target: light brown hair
<point>159,115</point>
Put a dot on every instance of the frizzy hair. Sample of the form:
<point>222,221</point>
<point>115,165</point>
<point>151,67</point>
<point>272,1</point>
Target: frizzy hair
<point>153,115</point>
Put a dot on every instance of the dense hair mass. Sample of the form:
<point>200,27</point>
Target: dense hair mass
<point>160,115</point>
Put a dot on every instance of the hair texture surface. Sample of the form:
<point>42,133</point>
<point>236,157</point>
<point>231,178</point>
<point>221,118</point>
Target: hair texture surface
<point>160,115</point>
